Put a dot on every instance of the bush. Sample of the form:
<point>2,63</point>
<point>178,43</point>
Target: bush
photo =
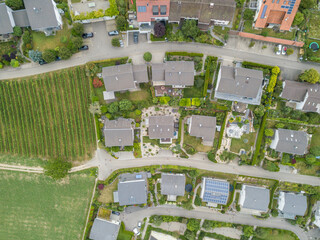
<point>35,56</point>
<point>14,63</point>
<point>49,55</point>
<point>164,100</point>
<point>193,225</point>
<point>121,23</point>
<point>64,53</point>
<point>147,56</point>
<point>77,29</point>
<point>290,51</point>
<point>17,31</point>
<point>310,76</point>
<point>125,105</point>
<point>115,42</point>
<point>196,102</point>
<point>159,30</point>
<point>96,82</point>
<point>57,168</point>
<point>271,166</point>
<point>212,155</point>
<point>252,43</point>
<point>248,14</point>
<point>137,112</point>
<point>185,102</point>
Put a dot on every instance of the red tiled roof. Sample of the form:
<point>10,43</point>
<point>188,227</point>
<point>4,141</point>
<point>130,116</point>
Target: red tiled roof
<point>148,15</point>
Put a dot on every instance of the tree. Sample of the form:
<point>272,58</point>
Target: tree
<point>14,63</point>
<point>264,32</point>
<point>269,132</point>
<point>248,231</point>
<point>76,43</point>
<point>310,159</point>
<point>49,55</point>
<point>193,225</point>
<point>125,105</point>
<point>96,82</point>
<point>115,42</point>
<point>275,70</point>
<point>95,108</point>
<point>113,9</point>
<point>77,29</point>
<point>307,4</point>
<point>65,53</point>
<point>35,56</point>
<point>298,19</point>
<point>26,37</point>
<point>248,14</point>
<point>310,76</point>
<point>147,56</point>
<point>315,150</point>
<point>185,102</point>
<point>189,235</point>
<point>121,23</point>
<point>290,51</point>
<point>15,4</point>
<point>157,220</point>
<point>113,107</point>
<point>196,102</point>
<point>190,28</point>
<point>17,31</point>
<point>159,29</point>
<point>259,111</point>
<point>211,155</point>
<point>57,168</point>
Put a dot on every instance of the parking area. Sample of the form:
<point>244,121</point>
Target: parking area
<point>142,38</point>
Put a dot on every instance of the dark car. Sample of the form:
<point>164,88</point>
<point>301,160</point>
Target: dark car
<point>87,35</point>
<point>113,33</point>
<point>58,58</point>
<point>116,213</point>
<point>41,62</point>
<point>84,47</point>
<point>135,37</point>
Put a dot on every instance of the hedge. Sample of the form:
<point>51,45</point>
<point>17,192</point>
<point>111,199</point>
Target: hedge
<point>259,139</point>
<point>288,120</point>
<point>252,64</point>
<point>98,127</point>
<point>208,75</point>
<point>179,133</point>
<point>222,130</point>
<point>187,54</point>
<point>232,194</point>
<point>110,61</point>
<point>273,189</point>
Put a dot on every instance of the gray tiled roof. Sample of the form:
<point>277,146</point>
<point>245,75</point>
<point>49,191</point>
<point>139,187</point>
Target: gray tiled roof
<point>291,141</point>
<point>5,23</point>
<point>179,73</point>
<point>203,126</point>
<point>132,189</point>
<point>256,198</point>
<point>295,204</point>
<point>173,184</point>
<point>21,18</point>
<point>118,132</point>
<point>41,14</point>
<point>104,230</point>
<point>140,73</point>
<point>158,72</point>
<point>240,81</point>
<point>161,127</point>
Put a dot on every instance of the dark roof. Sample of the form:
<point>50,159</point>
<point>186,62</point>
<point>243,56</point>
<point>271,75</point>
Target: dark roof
<point>256,198</point>
<point>215,191</point>
<point>132,189</point>
<point>104,230</point>
<point>179,73</point>
<point>5,23</point>
<point>203,126</point>
<point>290,141</point>
<point>140,73</point>
<point>294,204</point>
<point>173,184</point>
<point>21,18</point>
<point>118,132</point>
<point>158,72</point>
<point>300,91</point>
<point>240,81</point>
<point>202,10</point>
<point>41,14</point>
<point>161,127</point>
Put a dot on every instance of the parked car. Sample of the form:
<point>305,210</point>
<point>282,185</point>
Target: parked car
<point>279,48</point>
<point>58,58</point>
<point>121,43</point>
<point>116,213</point>
<point>84,47</point>
<point>284,50</point>
<point>136,231</point>
<point>113,33</point>
<point>41,62</point>
<point>87,35</point>
<point>135,37</point>
<point>139,224</point>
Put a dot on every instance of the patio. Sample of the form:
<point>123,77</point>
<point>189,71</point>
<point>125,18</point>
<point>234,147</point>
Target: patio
<point>88,6</point>
<point>164,90</point>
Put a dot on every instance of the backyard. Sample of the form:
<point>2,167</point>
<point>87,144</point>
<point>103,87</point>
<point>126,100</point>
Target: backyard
<point>196,143</point>
<point>195,91</point>
<point>7,48</point>
<point>134,95</point>
<point>245,142</point>
<point>36,207</point>
<point>315,140</point>
<point>106,195</point>
<point>313,25</point>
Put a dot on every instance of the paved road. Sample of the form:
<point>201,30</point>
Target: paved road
<point>131,219</point>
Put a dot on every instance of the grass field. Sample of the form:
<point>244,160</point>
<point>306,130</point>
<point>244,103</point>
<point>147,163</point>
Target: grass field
<point>276,234</point>
<point>21,160</point>
<point>124,234</point>
<point>314,29</point>
<point>315,140</point>
<point>106,195</point>
<point>237,144</point>
<point>33,206</point>
<point>134,96</point>
<point>47,115</point>
<point>195,142</point>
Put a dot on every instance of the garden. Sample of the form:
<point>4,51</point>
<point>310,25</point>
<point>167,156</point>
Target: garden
<point>246,142</point>
<point>48,115</point>
<point>37,207</point>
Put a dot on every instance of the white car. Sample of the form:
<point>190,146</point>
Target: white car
<point>139,224</point>
<point>136,231</point>
<point>279,48</point>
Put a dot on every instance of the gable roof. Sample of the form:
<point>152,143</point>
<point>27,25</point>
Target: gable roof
<point>41,14</point>
<point>173,184</point>
<point>158,72</point>
<point>118,132</point>
<point>256,198</point>
<point>104,230</point>
<point>21,18</point>
<point>215,191</point>
<point>203,126</point>
<point>294,204</point>
<point>140,73</point>
<point>241,82</point>
<point>179,73</point>
<point>290,141</point>
<point>5,23</point>
<point>161,127</point>
<point>132,189</point>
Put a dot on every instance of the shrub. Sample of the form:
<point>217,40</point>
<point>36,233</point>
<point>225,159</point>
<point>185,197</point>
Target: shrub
<point>96,82</point>
<point>17,31</point>
<point>64,53</point>
<point>125,105</point>
<point>115,42</point>
<point>290,51</point>
<point>252,43</point>
<point>193,225</point>
<point>14,63</point>
<point>185,102</point>
<point>196,102</point>
<point>269,132</point>
<point>147,56</point>
<point>1,65</point>
<point>121,23</point>
<point>35,56</point>
<point>248,14</point>
<point>26,37</point>
<point>159,30</point>
<point>77,29</point>
<point>137,112</point>
<point>164,100</point>
<point>211,155</point>
<point>57,168</point>
<point>49,55</point>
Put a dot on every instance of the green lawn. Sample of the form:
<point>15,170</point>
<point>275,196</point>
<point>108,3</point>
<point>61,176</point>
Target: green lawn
<point>124,234</point>
<point>21,160</point>
<point>276,234</point>
<point>194,92</point>
<point>315,140</point>
<point>41,42</point>
<point>313,24</point>
<point>314,56</point>
<point>196,143</point>
<point>134,96</point>
<point>237,144</point>
<point>33,206</point>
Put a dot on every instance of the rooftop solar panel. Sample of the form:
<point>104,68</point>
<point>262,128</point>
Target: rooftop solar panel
<point>264,11</point>
<point>216,191</point>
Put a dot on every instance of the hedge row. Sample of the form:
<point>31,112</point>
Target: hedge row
<point>110,61</point>
<point>288,120</point>
<point>259,139</point>
<point>232,194</point>
<point>222,130</point>
<point>246,64</point>
<point>273,189</point>
<point>211,64</point>
<point>187,54</point>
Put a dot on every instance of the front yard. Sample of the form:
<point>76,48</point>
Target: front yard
<point>245,142</point>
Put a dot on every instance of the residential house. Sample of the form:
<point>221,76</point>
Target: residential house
<point>305,96</point>
<point>291,205</point>
<point>214,191</point>
<point>40,15</point>
<point>207,12</point>
<point>203,127</point>
<point>276,13</point>
<point>290,141</point>
<point>173,185</point>
<point>132,189</point>
<point>150,11</point>
<point>317,215</point>
<point>118,133</point>
<point>162,127</point>
<point>254,200</point>
<point>240,85</point>
<point>104,230</point>
<point>123,77</point>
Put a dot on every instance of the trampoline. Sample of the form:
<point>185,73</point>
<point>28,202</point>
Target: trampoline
<point>314,46</point>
